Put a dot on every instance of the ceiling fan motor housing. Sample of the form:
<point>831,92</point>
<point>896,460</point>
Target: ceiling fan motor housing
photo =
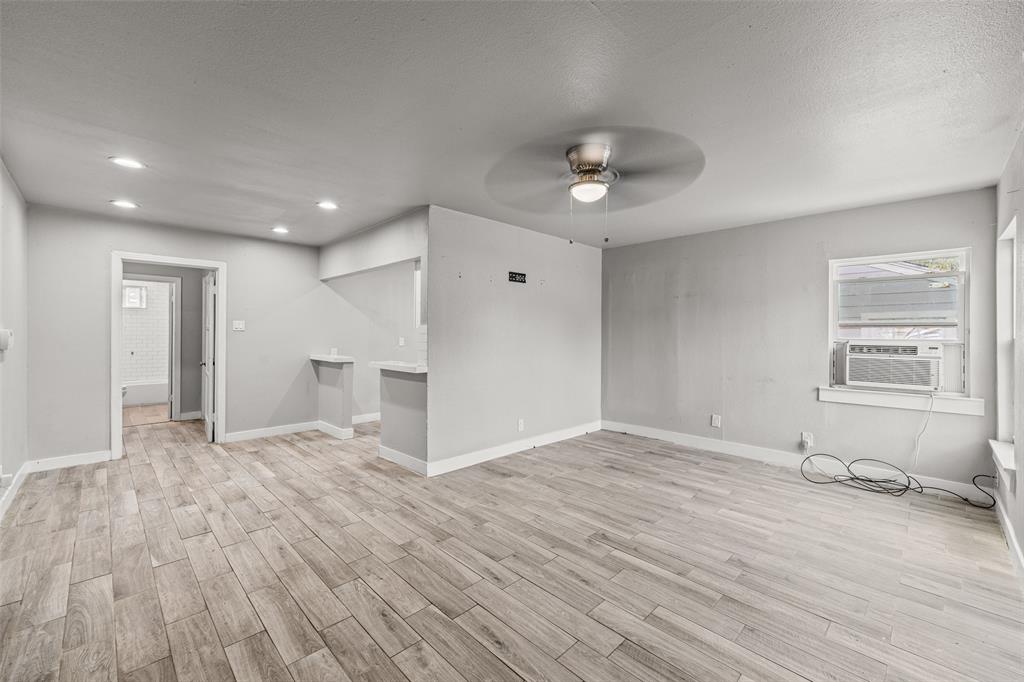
<point>589,158</point>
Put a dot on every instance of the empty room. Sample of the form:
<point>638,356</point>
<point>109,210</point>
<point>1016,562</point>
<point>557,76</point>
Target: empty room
<point>496,340</point>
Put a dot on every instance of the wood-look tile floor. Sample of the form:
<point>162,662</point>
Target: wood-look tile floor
<point>140,415</point>
<point>606,557</point>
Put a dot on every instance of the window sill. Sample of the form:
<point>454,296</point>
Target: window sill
<point>1002,455</point>
<point>950,404</point>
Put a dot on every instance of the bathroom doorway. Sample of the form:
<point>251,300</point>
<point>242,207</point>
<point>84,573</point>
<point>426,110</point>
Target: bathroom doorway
<point>150,348</point>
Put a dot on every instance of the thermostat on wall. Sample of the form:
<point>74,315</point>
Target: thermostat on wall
<point>238,325</point>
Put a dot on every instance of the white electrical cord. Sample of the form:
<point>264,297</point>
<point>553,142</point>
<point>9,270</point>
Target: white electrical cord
<point>924,427</point>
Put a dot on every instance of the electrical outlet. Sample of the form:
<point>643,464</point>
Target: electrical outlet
<point>806,440</point>
<point>716,421</point>
<point>401,340</point>
<point>522,423</point>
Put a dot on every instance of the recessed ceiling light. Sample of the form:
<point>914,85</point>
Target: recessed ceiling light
<point>127,162</point>
<point>327,205</point>
<point>124,203</point>
<point>280,229</point>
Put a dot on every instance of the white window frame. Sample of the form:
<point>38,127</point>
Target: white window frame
<point>923,400</point>
<point>1007,334</point>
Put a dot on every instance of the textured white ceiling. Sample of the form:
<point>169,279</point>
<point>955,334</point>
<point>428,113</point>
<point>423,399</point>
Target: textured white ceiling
<point>248,113</point>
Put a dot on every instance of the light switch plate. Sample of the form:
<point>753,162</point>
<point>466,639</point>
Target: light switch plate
<point>238,325</point>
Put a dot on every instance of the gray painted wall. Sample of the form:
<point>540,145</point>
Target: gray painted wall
<point>501,351</point>
<point>14,316</point>
<point>191,296</point>
<point>273,286</point>
<point>1010,199</point>
<point>363,316</point>
<point>735,322</point>
<point>398,239</point>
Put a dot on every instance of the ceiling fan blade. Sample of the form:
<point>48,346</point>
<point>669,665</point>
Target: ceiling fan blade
<point>653,164</point>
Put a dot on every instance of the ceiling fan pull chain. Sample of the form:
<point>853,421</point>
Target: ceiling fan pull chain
<point>606,218</point>
<point>572,224</point>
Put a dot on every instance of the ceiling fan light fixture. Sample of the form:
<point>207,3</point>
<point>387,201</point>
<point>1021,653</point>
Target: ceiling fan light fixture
<point>588,162</point>
<point>588,190</point>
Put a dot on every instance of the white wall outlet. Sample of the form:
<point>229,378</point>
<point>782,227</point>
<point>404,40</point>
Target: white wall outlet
<point>334,351</point>
<point>522,424</point>
<point>806,440</point>
<point>238,325</point>
<point>401,340</point>
<point>716,421</point>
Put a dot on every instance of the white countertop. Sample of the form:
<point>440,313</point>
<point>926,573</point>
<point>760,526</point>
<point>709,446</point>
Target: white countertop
<point>323,357</point>
<point>399,366</point>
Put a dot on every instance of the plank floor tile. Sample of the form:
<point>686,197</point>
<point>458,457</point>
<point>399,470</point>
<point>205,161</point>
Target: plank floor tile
<point>287,625</point>
<point>230,609</point>
<point>255,659</point>
<point>606,557</point>
<point>178,590</point>
<point>196,651</point>
<point>139,629</point>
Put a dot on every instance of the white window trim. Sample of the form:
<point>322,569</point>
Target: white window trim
<point>952,403</point>
<point>1007,245</point>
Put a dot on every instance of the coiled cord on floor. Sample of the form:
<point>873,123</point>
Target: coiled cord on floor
<point>895,486</point>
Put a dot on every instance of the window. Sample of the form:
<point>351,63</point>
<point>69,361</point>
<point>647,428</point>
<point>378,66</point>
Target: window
<point>133,296</point>
<point>903,299</point>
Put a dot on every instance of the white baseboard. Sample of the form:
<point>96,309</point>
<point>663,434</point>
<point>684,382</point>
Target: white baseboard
<point>773,456</point>
<point>285,429</point>
<point>68,460</point>
<point>470,458</point>
<point>403,460</point>
<point>368,417</point>
<point>7,494</point>
<point>1011,536</point>
<point>268,431</point>
<point>47,464</point>
<point>769,455</point>
<point>336,431</point>
<point>186,416</point>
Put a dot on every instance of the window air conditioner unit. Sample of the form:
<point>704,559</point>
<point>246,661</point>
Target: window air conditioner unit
<point>913,366</point>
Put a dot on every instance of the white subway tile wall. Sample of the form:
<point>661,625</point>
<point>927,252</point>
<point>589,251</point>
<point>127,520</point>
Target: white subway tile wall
<point>145,342</point>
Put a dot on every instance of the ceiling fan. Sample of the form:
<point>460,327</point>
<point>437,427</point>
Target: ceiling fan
<point>629,165</point>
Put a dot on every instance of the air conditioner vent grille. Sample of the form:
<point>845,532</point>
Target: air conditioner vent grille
<point>903,371</point>
<point>874,349</point>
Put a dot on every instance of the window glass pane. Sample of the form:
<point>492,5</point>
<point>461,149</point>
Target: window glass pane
<point>919,301</point>
<point>916,266</point>
<point>133,297</point>
<point>906,333</point>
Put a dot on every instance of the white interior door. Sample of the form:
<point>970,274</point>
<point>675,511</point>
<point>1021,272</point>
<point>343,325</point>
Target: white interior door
<point>172,397</point>
<point>209,356</point>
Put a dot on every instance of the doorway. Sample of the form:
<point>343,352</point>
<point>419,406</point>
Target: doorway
<point>191,383</point>
<point>151,338</point>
